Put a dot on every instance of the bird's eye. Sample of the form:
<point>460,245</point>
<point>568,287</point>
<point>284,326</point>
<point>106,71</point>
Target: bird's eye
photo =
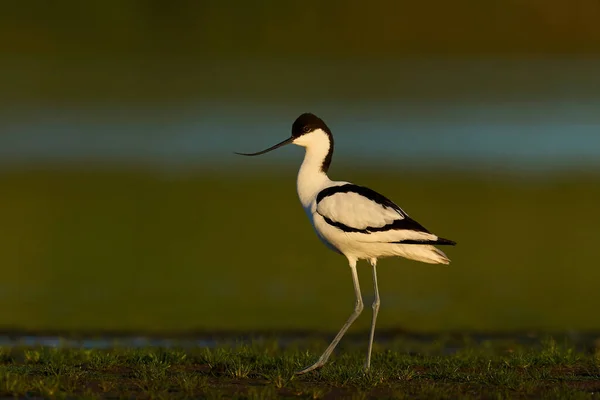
<point>306,129</point>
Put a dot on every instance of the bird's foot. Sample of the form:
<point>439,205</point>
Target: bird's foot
<point>367,367</point>
<point>315,366</point>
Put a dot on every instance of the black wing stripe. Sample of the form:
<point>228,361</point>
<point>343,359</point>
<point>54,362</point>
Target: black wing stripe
<point>439,241</point>
<point>343,227</point>
<point>406,224</point>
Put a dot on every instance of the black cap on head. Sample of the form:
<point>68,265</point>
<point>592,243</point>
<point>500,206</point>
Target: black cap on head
<point>304,124</point>
<point>307,123</point>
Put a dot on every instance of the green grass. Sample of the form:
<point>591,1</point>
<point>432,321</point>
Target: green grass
<point>264,370</point>
<point>132,250</point>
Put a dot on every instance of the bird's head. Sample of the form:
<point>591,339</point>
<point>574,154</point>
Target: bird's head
<point>308,131</point>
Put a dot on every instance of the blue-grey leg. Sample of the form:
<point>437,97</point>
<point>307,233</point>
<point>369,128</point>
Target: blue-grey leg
<point>358,307</point>
<point>373,262</point>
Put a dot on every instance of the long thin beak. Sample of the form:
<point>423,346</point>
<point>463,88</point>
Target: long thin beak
<point>278,145</point>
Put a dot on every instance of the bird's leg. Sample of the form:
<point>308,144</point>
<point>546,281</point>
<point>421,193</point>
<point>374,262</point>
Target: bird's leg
<point>373,262</point>
<point>358,307</point>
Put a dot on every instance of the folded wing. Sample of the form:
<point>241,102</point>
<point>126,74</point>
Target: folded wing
<point>369,216</point>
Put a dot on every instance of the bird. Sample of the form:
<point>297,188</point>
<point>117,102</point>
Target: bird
<point>353,220</point>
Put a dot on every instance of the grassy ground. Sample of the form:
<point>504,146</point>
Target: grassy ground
<point>264,370</point>
<point>132,250</point>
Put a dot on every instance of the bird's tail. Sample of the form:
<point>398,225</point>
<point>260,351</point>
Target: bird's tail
<point>445,242</point>
<point>424,253</point>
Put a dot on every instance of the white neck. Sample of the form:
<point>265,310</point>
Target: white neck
<point>311,177</point>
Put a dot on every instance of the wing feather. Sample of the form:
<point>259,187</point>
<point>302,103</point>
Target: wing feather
<point>363,212</point>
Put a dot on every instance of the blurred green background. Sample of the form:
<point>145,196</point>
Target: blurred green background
<point>122,207</point>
